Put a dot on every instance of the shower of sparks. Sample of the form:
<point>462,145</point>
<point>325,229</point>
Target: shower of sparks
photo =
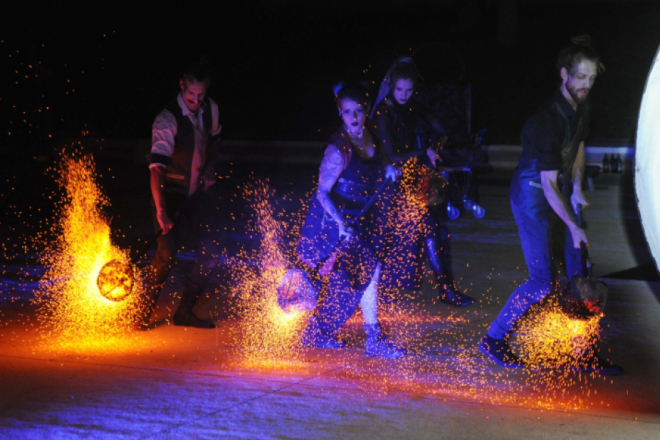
<point>267,333</point>
<point>441,341</point>
<point>443,357</point>
<point>74,313</point>
<point>556,346</point>
<point>549,338</point>
<point>403,226</point>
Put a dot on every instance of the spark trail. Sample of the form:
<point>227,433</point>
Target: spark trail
<point>73,312</point>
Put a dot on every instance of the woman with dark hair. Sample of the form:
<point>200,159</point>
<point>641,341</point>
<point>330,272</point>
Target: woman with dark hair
<point>409,131</point>
<point>352,168</point>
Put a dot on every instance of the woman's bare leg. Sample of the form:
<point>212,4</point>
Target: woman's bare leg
<point>369,301</point>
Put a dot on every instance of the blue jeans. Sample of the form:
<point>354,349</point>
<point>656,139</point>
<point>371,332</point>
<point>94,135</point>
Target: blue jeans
<point>543,242</point>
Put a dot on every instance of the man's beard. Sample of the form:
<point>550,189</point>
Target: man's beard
<point>574,94</point>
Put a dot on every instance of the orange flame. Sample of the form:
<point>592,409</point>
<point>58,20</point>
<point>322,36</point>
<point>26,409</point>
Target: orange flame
<point>72,308</point>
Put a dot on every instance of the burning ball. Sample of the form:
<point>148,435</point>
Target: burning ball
<point>583,298</point>
<point>115,280</point>
<point>296,292</point>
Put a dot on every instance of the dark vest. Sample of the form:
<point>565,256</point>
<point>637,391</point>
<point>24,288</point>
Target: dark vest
<point>526,189</point>
<point>178,171</point>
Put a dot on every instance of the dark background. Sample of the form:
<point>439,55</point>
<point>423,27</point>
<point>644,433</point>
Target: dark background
<point>107,69</point>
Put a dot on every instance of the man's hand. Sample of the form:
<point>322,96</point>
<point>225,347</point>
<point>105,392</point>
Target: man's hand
<point>578,236</point>
<point>157,182</point>
<point>560,205</point>
<point>164,221</point>
<point>578,199</point>
<point>392,172</point>
<point>433,156</point>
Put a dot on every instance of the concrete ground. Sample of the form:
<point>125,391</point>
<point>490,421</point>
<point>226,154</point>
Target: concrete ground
<point>173,382</point>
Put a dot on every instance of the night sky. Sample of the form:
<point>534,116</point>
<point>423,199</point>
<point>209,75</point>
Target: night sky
<point>109,69</point>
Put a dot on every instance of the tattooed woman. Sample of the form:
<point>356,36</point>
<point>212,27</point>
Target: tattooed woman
<point>352,166</point>
<point>400,119</point>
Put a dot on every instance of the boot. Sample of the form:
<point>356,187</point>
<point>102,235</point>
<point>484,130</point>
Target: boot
<point>313,337</point>
<point>378,345</point>
<point>448,292</point>
<point>498,351</point>
<point>184,315</point>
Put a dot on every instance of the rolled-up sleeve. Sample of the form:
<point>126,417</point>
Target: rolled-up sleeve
<point>162,139</point>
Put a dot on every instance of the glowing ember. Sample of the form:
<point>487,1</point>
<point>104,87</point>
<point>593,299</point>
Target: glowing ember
<point>71,305</point>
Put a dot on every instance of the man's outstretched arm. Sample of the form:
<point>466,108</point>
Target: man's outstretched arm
<point>561,207</point>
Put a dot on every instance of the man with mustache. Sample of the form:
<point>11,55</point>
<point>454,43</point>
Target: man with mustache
<point>546,193</point>
<point>182,162</point>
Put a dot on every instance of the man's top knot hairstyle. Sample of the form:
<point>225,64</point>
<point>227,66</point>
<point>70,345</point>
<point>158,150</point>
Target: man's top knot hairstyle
<point>198,72</point>
<point>404,68</point>
<point>579,49</point>
<point>355,91</point>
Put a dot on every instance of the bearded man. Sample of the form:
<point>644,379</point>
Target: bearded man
<point>546,193</point>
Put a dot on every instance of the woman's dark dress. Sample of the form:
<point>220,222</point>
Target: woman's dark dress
<point>357,258</point>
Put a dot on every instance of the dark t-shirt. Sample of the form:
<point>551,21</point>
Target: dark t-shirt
<point>548,138</point>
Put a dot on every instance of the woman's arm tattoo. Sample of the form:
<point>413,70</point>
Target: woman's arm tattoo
<point>332,166</point>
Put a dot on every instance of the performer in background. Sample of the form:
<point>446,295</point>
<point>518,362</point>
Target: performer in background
<point>400,121</point>
<point>182,161</point>
<point>352,168</point>
<point>546,193</point>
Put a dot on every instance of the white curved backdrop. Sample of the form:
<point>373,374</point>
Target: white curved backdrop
<point>647,159</point>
